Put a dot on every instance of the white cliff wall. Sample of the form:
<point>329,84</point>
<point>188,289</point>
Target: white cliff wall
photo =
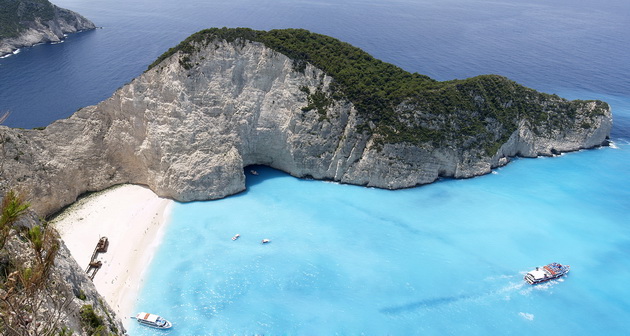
<point>188,133</point>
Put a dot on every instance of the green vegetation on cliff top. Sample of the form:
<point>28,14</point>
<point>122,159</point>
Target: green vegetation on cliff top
<point>16,14</point>
<point>480,112</point>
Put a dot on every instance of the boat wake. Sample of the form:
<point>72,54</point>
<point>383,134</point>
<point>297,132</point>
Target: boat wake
<point>421,304</point>
<point>504,293</point>
<point>545,286</point>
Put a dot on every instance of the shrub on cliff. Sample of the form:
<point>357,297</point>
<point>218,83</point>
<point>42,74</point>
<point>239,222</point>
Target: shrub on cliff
<point>475,113</point>
<point>90,318</point>
<point>15,14</point>
<point>30,303</point>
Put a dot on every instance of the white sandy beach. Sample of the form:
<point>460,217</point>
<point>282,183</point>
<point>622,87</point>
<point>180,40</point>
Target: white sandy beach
<point>133,219</point>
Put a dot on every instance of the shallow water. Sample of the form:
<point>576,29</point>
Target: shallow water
<point>447,258</point>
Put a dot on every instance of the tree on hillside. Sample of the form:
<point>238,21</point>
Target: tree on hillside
<point>29,302</point>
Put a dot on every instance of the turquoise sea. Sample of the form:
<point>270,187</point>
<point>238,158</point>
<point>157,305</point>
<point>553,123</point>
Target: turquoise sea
<point>442,259</point>
<point>437,260</point>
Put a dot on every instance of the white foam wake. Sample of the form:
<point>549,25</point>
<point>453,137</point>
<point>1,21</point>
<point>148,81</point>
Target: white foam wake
<point>527,316</point>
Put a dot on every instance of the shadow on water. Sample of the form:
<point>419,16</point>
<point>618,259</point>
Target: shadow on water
<point>506,289</point>
<point>428,303</point>
<point>257,174</point>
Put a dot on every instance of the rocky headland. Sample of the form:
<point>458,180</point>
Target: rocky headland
<point>300,102</point>
<point>224,99</point>
<point>24,23</point>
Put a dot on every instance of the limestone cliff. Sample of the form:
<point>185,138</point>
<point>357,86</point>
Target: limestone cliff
<point>25,23</point>
<point>188,126</point>
<point>42,289</point>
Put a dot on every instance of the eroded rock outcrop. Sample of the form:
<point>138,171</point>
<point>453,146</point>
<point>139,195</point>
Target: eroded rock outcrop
<point>42,289</point>
<point>188,126</point>
<point>34,22</point>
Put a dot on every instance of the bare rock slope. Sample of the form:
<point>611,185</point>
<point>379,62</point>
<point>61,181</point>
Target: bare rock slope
<point>42,289</point>
<point>188,126</point>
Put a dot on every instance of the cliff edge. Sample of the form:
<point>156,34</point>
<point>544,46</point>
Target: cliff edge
<point>42,289</point>
<point>228,98</point>
<point>24,23</point>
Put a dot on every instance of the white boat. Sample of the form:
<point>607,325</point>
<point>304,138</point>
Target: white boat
<point>153,321</point>
<point>546,273</point>
<point>236,236</point>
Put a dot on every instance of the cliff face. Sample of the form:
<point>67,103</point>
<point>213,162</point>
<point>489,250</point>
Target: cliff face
<point>29,22</point>
<point>43,291</point>
<point>186,130</point>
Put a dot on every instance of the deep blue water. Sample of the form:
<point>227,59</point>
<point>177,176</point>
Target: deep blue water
<point>548,45</point>
<point>447,258</point>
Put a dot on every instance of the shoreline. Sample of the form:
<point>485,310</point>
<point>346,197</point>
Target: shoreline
<point>134,219</point>
<point>14,48</point>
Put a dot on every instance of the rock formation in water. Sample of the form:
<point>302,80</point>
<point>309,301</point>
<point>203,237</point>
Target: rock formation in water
<point>228,98</point>
<point>24,23</point>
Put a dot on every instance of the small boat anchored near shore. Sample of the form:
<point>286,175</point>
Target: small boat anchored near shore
<point>152,321</point>
<point>546,273</point>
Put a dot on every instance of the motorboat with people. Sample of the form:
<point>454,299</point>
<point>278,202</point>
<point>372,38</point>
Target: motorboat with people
<point>546,273</point>
<point>153,321</point>
<point>265,241</point>
<point>236,236</point>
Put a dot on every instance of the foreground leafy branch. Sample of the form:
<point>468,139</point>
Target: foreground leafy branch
<point>13,206</point>
<point>29,303</point>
